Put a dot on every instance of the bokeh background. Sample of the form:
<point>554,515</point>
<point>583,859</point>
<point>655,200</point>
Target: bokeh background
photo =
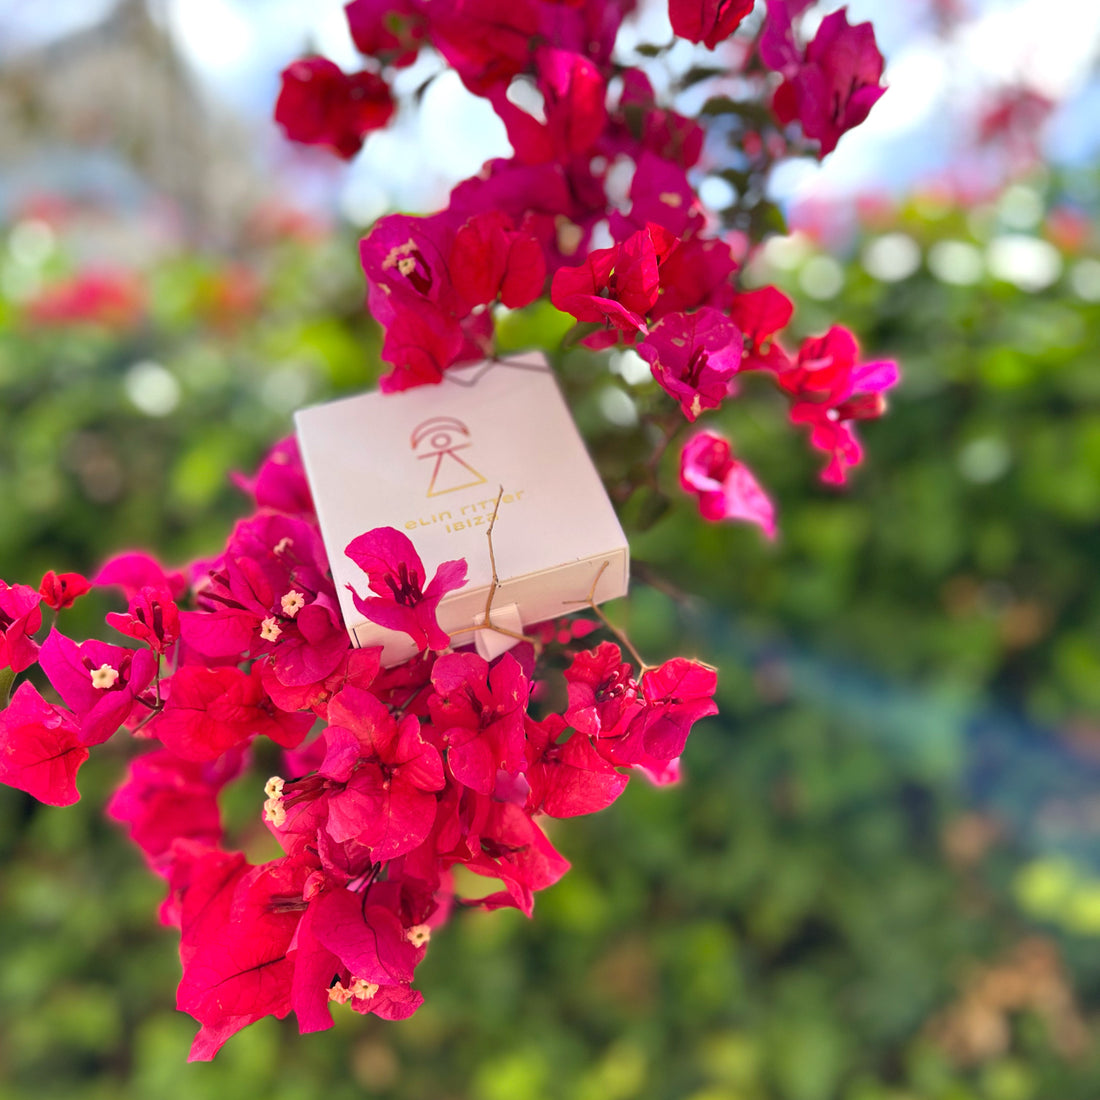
<point>881,878</point>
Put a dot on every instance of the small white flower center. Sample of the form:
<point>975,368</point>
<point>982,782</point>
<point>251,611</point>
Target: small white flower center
<point>104,677</point>
<point>293,602</point>
<point>339,994</point>
<point>360,987</point>
<point>418,935</point>
<point>274,810</point>
<point>270,629</point>
<point>283,544</point>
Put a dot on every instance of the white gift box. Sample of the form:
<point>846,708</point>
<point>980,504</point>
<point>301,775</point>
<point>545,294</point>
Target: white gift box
<point>431,462</point>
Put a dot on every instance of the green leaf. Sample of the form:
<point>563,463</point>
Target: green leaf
<point>7,678</point>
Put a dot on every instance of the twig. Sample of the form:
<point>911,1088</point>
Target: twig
<point>494,587</point>
<point>590,600</point>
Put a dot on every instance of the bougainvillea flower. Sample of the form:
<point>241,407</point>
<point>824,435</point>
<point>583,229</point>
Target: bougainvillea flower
<point>427,278</point>
<point>725,487</point>
<point>558,203</point>
<point>512,848</point>
<point>487,42</point>
<point>165,799</point>
<point>319,104</point>
<point>40,748</point>
<point>413,294</point>
<point>677,695</point>
<point>99,682</point>
<point>698,272</point>
<point>478,710</point>
<point>603,694</point>
<point>760,314</point>
<point>236,927</point>
<point>694,356</point>
<point>134,570</point>
<point>387,1002</point>
<point>615,286</point>
<point>359,667</point>
<point>152,618</point>
<point>396,575</point>
<point>670,135</point>
<point>707,21</point>
<point>660,194</point>
<point>62,590</point>
<point>491,259</point>
<point>573,109</point>
<point>836,84</point>
<point>20,617</point>
<point>280,483</point>
<point>270,593</point>
<point>570,778</point>
<point>212,710</point>
<point>390,30</point>
<point>404,261</point>
<point>390,772</point>
<point>828,388</point>
<point>778,48</point>
<point>367,939</point>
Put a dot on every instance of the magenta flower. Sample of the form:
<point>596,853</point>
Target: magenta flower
<point>321,105</point>
<point>670,135</point>
<point>20,617</point>
<point>270,593</point>
<point>574,113</point>
<point>615,286</point>
<point>152,618</point>
<point>236,927</point>
<point>478,710</point>
<point>40,748</point>
<point>101,683</point>
<point>694,356</point>
<point>660,194</point>
<point>512,848</point>
<point>834,85</point>
<point>280,483</point>
<point>568,778</point>
<point>698,272</point>
<point>760,314</point>
<point>62,590</point>
<point>487,42</point>
<point>491,259</point>
<point>707,21</point>
<point>603,694</point>
<point>396,575</point>
<point>134,570</point>
<point>390,30</point>
<point>418,274</point>
<point>829,389</point>
<point>726,487</point>
<point>212,710</point>
<point>165,799</point>
<point>390,774</point>
<point>677,695</point>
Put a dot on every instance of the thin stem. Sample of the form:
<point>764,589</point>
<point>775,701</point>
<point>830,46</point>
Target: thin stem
<point>620,634</point>
<point>494,586</point>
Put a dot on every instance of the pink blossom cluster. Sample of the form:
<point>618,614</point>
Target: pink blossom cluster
<point>669,282</point>
<point>389,780</point>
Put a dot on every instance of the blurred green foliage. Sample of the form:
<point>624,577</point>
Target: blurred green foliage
<point>879,880</point>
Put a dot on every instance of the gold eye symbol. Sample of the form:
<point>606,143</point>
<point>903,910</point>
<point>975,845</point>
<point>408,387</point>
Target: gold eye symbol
<point>441,438</point>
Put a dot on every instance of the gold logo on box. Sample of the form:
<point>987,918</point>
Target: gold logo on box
<point>441,438</point>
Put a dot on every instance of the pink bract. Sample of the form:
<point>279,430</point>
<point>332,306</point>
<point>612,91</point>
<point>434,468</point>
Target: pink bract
<point>725,487</point>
